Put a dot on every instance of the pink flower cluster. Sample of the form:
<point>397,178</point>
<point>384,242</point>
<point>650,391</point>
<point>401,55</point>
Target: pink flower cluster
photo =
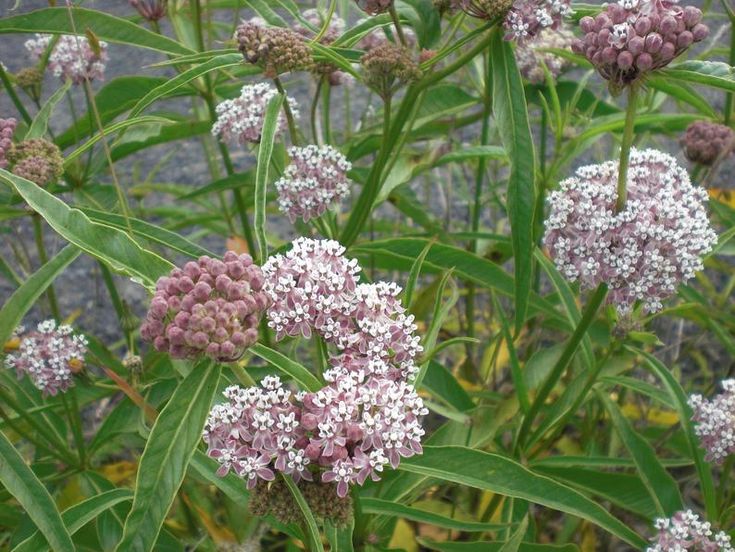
<point>209,307</point>
<point>527,18</point>
<point>706,142</point>
<point>368,414</point>
<point>315,179</point>
<point>333,75</point>
<point>72,57</point>
<point>715,421</point>
<point>633,37</point>
<point>7,128</point>
<point>374,7</point>
<point>643,252</point>
<point>532,57</point>
<point>684,532</point>
<point>50,356</point>
<point>241,120</point>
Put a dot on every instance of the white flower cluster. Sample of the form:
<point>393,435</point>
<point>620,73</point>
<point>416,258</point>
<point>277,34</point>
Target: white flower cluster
<point>49,356</point>
<point>683,532</point>
<point>643,252</point>
<point>315,179</point>
<point>241,120</point>
<point>715,421</point>
<point>72,57</point>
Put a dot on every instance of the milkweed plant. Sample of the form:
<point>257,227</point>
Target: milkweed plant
<point>367,275</point>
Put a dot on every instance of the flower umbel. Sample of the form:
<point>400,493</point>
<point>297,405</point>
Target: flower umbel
<point>209,307</point>
<point>37,160</point>
<point>72,57</point>
<point>276,49</point>
<point>7,128</point>
<point>527,18</point>
<point>388,66</point>
<point>684,532</point>
<point>315,179</point>
<point>532,58</point>
<point>49,356</point>
<point>241,120</point>
<point>715,422</point>
<point>643,252</point>
<point>633,37</point>
<point>705,142</point>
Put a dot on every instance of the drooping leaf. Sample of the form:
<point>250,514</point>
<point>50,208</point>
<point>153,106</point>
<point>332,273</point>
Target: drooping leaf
<point>40,121</point>
<point>287,366</point>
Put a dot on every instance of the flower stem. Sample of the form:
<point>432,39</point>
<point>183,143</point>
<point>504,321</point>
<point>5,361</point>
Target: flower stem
<point>50,293</point>
<point>287,111</point>
<point>561,365</point>
<point>625,148</point>
<point>397,23</point>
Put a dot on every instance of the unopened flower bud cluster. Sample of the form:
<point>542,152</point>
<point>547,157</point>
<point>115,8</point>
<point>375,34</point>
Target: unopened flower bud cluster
<point>715,422</point>
<point>276,49</point>
<point>72,57</point>
<point>706,142</point>
<point>632,37</point>
<point>642,252</point>
<point>49,356</point>
<point>241,120</point>
<point>209,307</point>
<point>368,414</point>
<point>388,66</point>
<point>7,128</point>
<point>37,160</point>
<point>374,7</point>
<point>684,532</point>
<point>336,26</point>
<point>315,179</point>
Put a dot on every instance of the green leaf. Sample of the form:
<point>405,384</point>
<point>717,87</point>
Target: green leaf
<point>340,538</point>
<point>78,516</point>
<point>394,509</point>
<point>682,92</point>
<point>513,544</point>
<point>413,275</point>
<point>400,253</point>
<point>281,362</point>
<point>685,419</point>
<point>472,152</point>
<point>149,231</point>
<point>511,114</point>
<point>39,126</point>
<point>120,125</point>
<point>23,298</point>
<point>498,474</point>
<point>165,89</point>
<point>105,26</point>
<point>311,526</point>
<point>22,484</point>
<point>102,242</point>
<point>171,444</point>
<point>265,151</point>
<point>661,486</point>
<point>445,387</point>
<point>711,73</point>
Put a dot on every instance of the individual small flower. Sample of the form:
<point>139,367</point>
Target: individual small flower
<point>37,160</point>
<point>633,37</point>
<point>7,128</point>
<point>642,252</point>
<point>241,120</point>
<point>151,10</point>
<point>483,9</point>
<point>532,57</point>
<point>705,142</point>
<point>527,18</point>
<point>276,49</point>
<point>388,66</point>
<point>374,7</point>
<point>208,307</point>
<point>311,288</point>
<point>315,179</point>
<point>715,422</point>
<point>684,532</point>
<point>49,356</point>
<point>73,57</point>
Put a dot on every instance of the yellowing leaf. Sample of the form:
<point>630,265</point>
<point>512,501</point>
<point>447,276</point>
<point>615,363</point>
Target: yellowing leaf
<point>653,415</point>
<point>404,537</point>
<point>119,471</point>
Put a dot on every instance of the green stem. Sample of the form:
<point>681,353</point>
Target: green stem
<point>314,105</point>
<point>287,111</point>
<point>50,293</point>
<point>561,365</point>
<point>14,97</point>
<point>625,148</point>
<point>117,304</point>
<point>30,437</point>
<point>397,24</point>
<point>326,101</point>
<point>327,22</point>
<point>730,96</point>
<point>242,376</point>
<point>75,420</point>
